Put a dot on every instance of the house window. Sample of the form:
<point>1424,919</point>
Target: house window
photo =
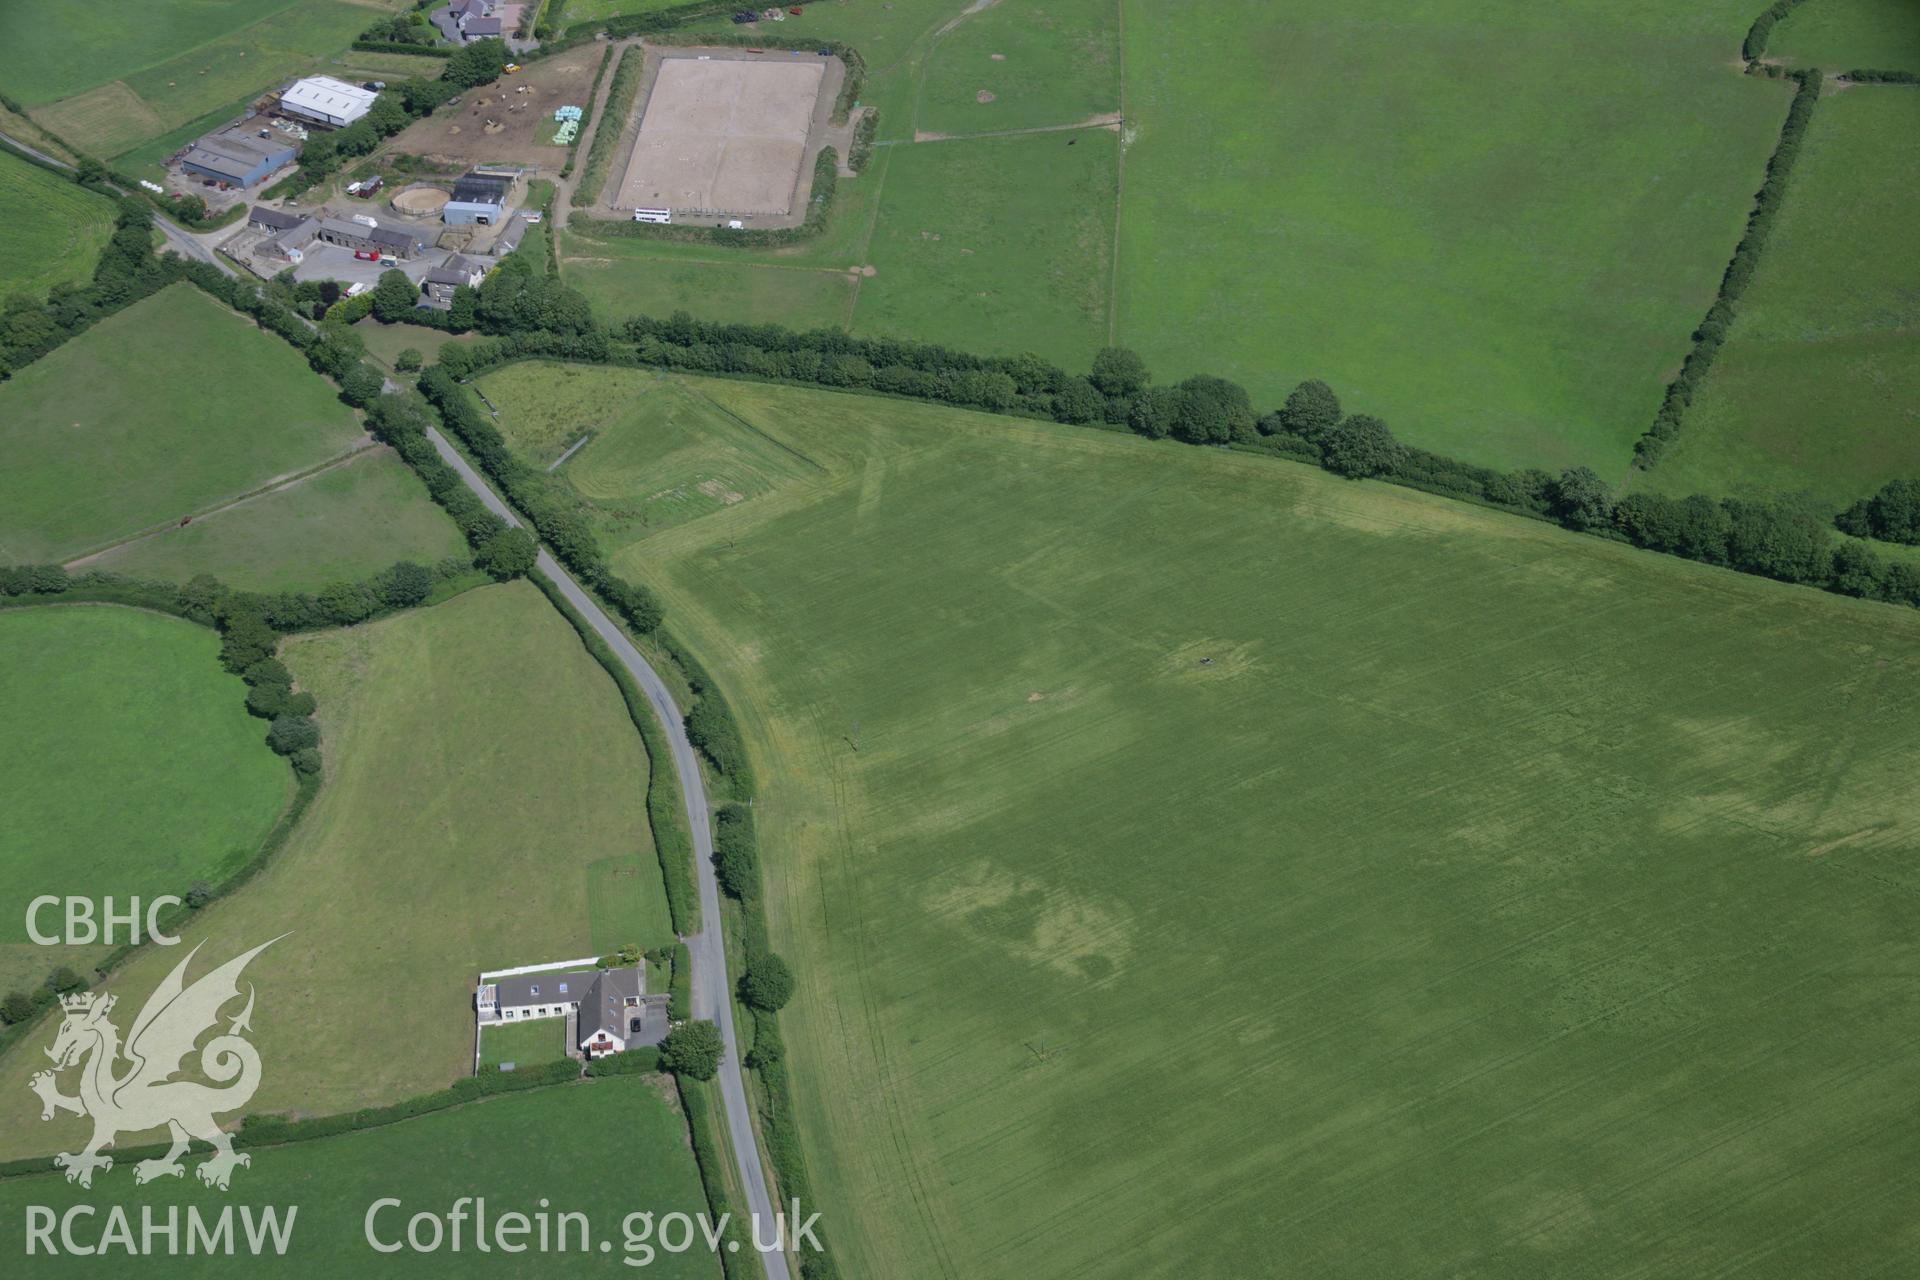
<point>536,989</point>
<point>563,988</point>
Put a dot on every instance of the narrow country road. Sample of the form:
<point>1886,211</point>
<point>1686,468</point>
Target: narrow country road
<point>711,990</point>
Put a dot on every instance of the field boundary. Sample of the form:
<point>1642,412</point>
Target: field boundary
<point>288,481</point>
<point>1711,332</point>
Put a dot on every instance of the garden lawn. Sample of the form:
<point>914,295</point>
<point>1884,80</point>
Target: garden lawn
<point>1817,388</point>
<point>549,1147</point>
<point>172,406</point>
<point>385,342</point>
<point>996,245</point>
<point>1195,864</point>
<point>479,763</point>
<point>132,768</point>
<point>55,230</point>
<point>1493,225</point>
<point>341,524</point>
<point>1847,35</point>
<point>525,1044</point>
<point>660,451</point>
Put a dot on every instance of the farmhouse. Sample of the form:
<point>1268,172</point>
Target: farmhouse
<point>457,270</point>
<point>465,21</point>
<point>239,155</point>
<point>608,1010</point>
<point>325,100</point>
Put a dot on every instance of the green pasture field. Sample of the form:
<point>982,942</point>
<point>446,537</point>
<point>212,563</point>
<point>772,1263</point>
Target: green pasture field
<point>661,451</point>
<point>1817,388</point>
<point>56,49</point>
<point>1196,864</point>
<point>341,524</point>
<point>525,1044</point>
<point>1494,226</point>
<point>479,764</point>
<point>600,10</point>
<point>119,85</point>
<point>998,245</point>
<point>1054,62</point>
<point>1849,35</point>
<point>132,768</point>
<point>55,230</point>
<point>711,289</point>
<point>559,1146</point>
<point>172,406</point>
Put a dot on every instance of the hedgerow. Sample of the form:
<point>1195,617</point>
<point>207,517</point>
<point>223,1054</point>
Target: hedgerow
<point>626,84</point>
<point>1712,331</point>
<point>1754,47</point>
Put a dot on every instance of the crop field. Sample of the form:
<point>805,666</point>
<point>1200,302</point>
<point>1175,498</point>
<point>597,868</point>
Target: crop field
<point>1581,907</point>
<point>132,767</point>
<point>1843,35</point>
<point>525,1044</point>
<point>55,230</point>
<point>546,1146</point>
<point>464,809</point>
<point>174,405</point>
<point>1818,386</point>
<point>341,524</point>
<point>661,452</point>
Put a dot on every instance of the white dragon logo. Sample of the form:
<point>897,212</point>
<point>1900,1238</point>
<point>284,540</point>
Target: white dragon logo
<point>147,1096</point>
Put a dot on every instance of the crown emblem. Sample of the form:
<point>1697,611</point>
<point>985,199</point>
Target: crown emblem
<point>78,1002</point>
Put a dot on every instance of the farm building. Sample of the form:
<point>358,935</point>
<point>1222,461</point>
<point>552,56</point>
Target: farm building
<point>478,198</point>
<point>607,1010</point>
<point>239,155</point>
<point>361,238</point>
<point>457,270</point>
<point>325,100</point>
<point>272,221</point>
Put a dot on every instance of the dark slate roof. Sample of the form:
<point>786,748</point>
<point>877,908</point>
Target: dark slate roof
<point>235,151</point>
<point>605,1006</point>
<point>545,988</point>
<point>482,188</point>
<point>275,218</point>
<point>455,270</point>
<point>483,26</point>
<point>391,235</point>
